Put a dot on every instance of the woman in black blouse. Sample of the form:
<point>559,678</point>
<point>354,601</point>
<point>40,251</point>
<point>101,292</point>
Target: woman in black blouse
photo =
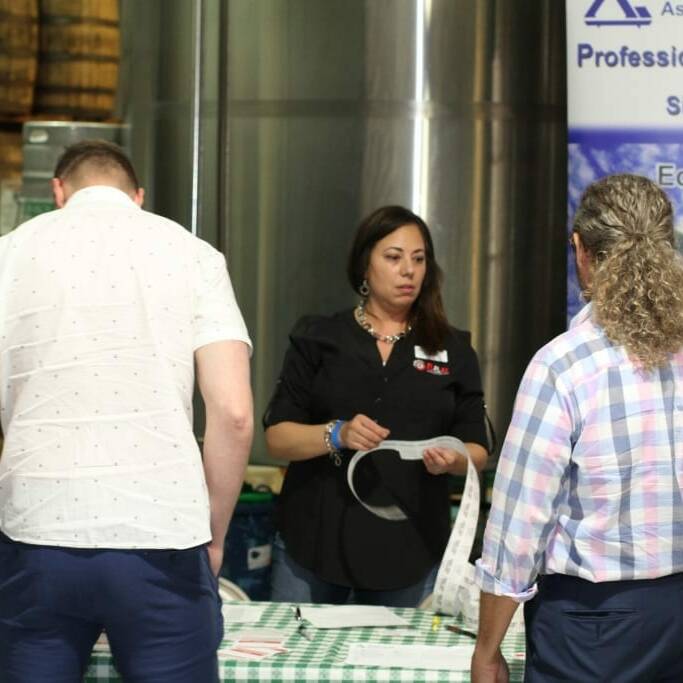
<point>391,367</point>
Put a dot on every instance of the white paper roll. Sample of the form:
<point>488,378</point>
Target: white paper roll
<point>449,596</point>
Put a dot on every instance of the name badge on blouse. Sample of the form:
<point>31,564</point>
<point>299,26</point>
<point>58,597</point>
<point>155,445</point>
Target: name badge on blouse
<point>431,362</point>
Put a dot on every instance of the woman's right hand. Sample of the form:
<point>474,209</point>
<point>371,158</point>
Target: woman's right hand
<point>362,433</point>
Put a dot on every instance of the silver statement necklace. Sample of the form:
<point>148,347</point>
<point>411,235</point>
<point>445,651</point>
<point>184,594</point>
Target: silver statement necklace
<point>362,320</point>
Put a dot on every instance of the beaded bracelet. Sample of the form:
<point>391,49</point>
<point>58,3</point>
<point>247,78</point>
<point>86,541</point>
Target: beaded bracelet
<point>330,442</point>
<point>327,436</point>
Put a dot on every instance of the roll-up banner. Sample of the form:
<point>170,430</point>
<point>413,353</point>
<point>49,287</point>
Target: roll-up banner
<point>625,100</point>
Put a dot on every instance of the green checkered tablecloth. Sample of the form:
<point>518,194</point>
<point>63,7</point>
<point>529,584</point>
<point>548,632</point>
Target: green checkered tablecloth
<point>322,659</point>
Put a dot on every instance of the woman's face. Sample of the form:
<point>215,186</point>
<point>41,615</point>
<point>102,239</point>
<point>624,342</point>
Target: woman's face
<point>397,268</point>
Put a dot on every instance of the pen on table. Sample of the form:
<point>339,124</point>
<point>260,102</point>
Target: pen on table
<point>456,629</point>
<point>436,620</point>
<point>301,630</point>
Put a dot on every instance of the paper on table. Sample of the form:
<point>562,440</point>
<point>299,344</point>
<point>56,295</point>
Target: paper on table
<point>243,614</point>
<point>456,658</point>
<point>261,635</point>
<point>393,632</point>
<point>348,616</point>
<point>102,644</point>
<point>253,644</point>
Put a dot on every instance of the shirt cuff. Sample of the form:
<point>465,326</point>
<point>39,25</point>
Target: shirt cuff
<point>218,336</point>
<point>490,584</point>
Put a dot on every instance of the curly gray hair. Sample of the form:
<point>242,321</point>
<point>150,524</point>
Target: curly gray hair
<point>626,224</point>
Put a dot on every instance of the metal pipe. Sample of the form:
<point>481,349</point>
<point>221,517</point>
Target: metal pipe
<point>196,114</point>
<point>223,178</point>
<point>419,169</point>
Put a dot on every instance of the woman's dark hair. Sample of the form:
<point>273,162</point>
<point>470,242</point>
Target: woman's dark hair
<point>428,316</point>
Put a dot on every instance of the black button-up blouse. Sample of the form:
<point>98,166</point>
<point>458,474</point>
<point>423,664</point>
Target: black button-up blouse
<point>333,370</point>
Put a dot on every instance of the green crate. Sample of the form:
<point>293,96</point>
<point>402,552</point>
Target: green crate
<point>30,207</point>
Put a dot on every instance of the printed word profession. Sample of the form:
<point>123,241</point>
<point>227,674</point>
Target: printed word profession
<point>625,57</point>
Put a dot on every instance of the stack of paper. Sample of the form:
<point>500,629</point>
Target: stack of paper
<point>243,614</point>
<point>255,644</point>
<point>455,658</point>
<point>102,644</point>
<point>350,616</point>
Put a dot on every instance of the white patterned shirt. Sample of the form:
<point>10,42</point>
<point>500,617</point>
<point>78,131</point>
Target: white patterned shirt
<point>102,306</point>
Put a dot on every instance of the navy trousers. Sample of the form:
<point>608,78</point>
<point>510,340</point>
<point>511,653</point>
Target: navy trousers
<point>612,632</point>
<point>160,609</point>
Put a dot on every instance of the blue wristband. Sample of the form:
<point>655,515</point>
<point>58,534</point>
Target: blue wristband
<point>334,435</point>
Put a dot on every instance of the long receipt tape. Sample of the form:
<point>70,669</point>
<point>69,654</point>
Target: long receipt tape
<point>455,591</point>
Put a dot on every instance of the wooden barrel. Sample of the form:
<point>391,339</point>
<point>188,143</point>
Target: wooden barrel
<point>78,66</point>
<point>18,55</point>
<point>10,153</point>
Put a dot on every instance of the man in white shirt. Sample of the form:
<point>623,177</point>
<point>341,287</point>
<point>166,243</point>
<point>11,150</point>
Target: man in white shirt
<point>110,517</point>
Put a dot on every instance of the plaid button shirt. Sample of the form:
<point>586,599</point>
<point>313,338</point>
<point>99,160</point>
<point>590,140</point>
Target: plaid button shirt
<point>590,476</point>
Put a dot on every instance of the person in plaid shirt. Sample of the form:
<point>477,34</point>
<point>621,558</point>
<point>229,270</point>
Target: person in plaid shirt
<point>586,523</point>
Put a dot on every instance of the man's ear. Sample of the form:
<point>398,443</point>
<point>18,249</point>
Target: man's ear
<point>139,196</point>
<point>58,192</point>
<point>585,262</point>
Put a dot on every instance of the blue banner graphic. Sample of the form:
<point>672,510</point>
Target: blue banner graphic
<point>625,100</point>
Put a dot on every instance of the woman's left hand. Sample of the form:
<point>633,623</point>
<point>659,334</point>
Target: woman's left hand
<point>444,461</point>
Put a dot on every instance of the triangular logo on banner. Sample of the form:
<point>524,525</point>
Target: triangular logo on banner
<point>630,15</point>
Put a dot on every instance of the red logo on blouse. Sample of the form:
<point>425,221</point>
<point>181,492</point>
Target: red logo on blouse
<point>430,367</point>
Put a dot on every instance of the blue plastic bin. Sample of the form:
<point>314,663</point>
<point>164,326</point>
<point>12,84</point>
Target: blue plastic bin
<point>248,545</point>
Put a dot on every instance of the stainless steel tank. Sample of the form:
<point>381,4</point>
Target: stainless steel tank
<point>271,127</point>
<point>455,108</point>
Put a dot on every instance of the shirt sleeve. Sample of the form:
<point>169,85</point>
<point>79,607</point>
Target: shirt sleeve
<point>292,395</point>
<point>216,314</point>
<point>530,480</point>
<point>469,423</point>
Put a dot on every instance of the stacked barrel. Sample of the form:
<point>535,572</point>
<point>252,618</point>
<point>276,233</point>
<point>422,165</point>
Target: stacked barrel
<point>18,55</point>
<point>18,68</point>
<point>59,59</point>
<point>79,58</point>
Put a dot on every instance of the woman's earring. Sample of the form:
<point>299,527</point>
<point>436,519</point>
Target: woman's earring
<point>364,289</point>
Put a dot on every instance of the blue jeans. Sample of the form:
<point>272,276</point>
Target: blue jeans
<point>160,609</point>
<point>290,582</point>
